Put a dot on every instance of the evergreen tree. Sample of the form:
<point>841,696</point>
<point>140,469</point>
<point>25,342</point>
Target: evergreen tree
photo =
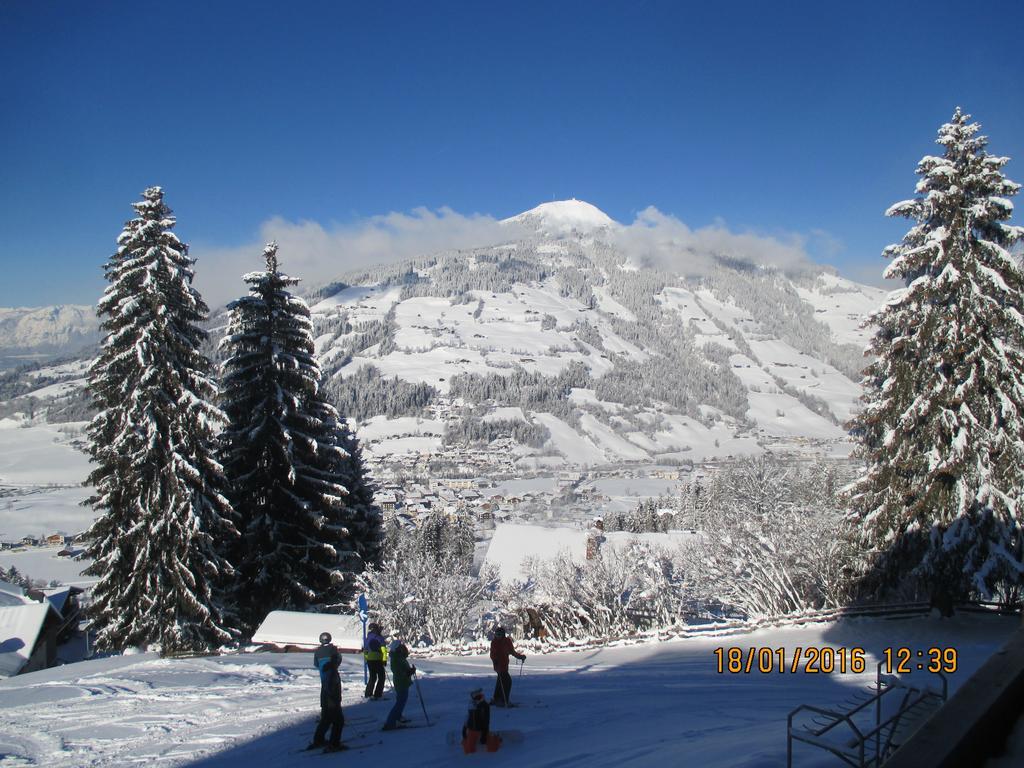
<point>162,517</point>
<point>941,428</point>
<point>283,453</point>
<point>363,517</point>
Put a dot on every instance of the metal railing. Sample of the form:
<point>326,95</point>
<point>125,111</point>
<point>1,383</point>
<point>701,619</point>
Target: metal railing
<point>852,735</point>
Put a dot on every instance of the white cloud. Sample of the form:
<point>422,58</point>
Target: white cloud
<point>662,240</point>
<point>317,254</point>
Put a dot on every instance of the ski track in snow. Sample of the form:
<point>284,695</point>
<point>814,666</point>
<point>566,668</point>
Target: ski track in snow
<point>650,704</point>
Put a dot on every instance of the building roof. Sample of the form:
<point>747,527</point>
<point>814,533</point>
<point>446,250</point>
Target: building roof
<point>282,628</point>
<point>20,626</point>
<point>58,596</point>
<point>512,543</point>
<point>12,594</point>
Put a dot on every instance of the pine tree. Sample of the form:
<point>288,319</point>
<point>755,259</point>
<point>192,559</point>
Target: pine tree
<point>363,517</point>
<point>282,453</point>
<point>162,517</point>
<point>941,428</point>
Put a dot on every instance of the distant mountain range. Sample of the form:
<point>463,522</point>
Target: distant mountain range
<point>46,332</point>
<point>573,347</point>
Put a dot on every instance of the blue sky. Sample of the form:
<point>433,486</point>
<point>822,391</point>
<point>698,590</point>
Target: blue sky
<point>796,121</point>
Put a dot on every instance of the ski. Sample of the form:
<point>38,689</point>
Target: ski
<point>413,725</point>
<point>358,744</point>
<point>363,744</point>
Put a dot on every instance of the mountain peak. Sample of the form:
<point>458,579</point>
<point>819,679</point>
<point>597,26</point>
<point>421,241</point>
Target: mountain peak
<point>565,215</point>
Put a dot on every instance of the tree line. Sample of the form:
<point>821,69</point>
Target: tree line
<point>219,495</point>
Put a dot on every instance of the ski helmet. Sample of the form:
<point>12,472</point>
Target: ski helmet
<point>374,627</point>
<point>476,695</point>
<point>499,631</point>
<point>325,638</point>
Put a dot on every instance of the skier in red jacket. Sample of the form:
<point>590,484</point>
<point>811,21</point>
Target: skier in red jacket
<point>501,649</point>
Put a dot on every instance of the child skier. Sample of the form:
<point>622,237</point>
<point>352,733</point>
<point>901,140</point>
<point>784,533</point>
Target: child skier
<point>327,660</point>
<point>375,651</point>
<point>479,718</point>
<point>501,649</point>
<point>401,679</point>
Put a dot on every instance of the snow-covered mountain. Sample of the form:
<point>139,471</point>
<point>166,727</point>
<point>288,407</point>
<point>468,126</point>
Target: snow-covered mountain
<point>556,349</point>
<point>564,216</point>
<point>559,342</point>
<point>63,329</point>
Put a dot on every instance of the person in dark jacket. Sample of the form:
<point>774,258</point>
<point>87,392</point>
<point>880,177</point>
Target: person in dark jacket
<point>375,651</point>
<point>479,718</point>
<point>501,649</point>
<point>327,659</point>
<point>401,678</point>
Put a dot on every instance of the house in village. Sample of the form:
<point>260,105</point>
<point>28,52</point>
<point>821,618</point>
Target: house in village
<point>291,631</point>
<point>31,629</point>
<point>513,543</point>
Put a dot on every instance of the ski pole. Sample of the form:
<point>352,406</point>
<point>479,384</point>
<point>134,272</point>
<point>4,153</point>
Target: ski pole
<point>521,662</point>
<point>416,681</point>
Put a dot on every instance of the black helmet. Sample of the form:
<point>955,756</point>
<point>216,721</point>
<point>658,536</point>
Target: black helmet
<point>499,631</point>
<point>375,627</point>
<point>325,638</point>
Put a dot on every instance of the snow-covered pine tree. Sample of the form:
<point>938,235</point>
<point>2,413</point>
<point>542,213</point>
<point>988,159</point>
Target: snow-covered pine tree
<point>162,517</point>
<point>282,453</point>
<point>941,429</point>
<point>363,518</point>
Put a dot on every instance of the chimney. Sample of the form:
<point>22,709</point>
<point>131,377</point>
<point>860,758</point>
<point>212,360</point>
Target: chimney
<point>595,538</point>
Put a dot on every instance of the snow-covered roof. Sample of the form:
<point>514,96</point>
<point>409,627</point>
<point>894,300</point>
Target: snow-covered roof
<point>282,628</point>
<point>513,543</point>
<point>57,597</point>
<point>20,626</point>
<point>12,594</point>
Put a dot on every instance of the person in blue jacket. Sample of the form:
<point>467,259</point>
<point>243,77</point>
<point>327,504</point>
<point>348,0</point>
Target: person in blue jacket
<point>327,659</point>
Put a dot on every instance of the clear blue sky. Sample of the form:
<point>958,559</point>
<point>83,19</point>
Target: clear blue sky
<point>776,117</point>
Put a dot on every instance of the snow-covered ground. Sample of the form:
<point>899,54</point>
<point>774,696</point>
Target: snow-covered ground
<point>42,563</point>
<point>652,704</point>
<point>41,475</point>
<point>38,454</point>
<point>40,511</point>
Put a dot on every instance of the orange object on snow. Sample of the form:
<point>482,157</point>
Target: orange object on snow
<point>493,742</point>
<point>470,740</point>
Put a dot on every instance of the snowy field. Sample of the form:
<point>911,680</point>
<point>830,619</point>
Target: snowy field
<point>39,455</point>
<point>41,480</point>
<point>40,511</point>
<point>652,704</point>
<point>42,563</point>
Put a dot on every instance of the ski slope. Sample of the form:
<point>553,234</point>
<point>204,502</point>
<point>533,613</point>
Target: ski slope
<point>651,704</point>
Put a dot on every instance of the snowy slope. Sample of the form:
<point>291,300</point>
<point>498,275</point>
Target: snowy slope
<point>567,309</point>
<point>652,704</point>
<point>843,305</point>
